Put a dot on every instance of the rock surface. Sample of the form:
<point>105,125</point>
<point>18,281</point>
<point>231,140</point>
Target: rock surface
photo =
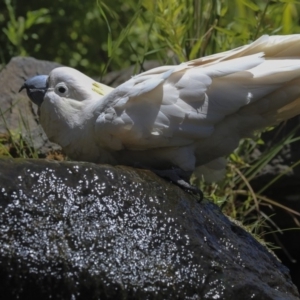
<point>86,231</point>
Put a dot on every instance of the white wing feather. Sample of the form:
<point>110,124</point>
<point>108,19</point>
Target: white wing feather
<point>172,108</point>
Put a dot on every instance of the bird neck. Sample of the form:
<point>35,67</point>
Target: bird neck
<point>63,120</point>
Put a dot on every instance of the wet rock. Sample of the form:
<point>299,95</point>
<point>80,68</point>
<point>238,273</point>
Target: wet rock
<point>86,231</point>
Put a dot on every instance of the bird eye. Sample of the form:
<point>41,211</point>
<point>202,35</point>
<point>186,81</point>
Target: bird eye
<point>61,89</point>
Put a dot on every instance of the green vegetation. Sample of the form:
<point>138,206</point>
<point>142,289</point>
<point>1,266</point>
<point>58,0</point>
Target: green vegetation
<point>97,36</point>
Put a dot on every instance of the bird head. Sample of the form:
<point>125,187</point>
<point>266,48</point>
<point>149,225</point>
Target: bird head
<point>66,100</point>
<point>65,83</point>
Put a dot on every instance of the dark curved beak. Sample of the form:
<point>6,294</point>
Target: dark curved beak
<point>36,88</point>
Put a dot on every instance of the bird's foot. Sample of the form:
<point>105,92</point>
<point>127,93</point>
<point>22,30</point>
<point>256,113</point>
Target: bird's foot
<point>180,178</point>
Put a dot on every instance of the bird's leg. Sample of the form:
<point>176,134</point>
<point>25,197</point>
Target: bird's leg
<point>181,179</point>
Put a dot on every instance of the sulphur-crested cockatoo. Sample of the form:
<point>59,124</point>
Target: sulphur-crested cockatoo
<point>187,116</point>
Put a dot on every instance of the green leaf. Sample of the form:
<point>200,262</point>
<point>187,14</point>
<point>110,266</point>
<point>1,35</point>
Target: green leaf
<point>250,4</point>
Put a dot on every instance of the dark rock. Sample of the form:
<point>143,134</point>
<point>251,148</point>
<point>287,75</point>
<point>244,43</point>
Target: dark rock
<point>86,231</point>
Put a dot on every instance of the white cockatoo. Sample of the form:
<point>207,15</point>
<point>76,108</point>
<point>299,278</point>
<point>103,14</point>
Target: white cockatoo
<point>188,116</point>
